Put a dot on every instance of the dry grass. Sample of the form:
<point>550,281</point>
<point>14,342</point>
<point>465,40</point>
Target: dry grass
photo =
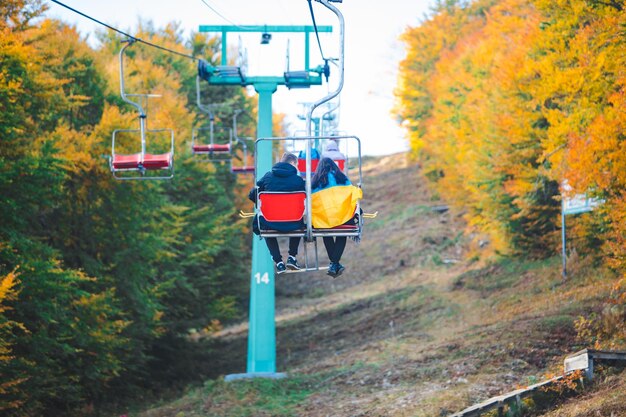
<point>608,399</point>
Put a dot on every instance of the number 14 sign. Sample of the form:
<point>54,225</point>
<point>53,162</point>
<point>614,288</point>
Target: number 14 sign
<point>262,279</point>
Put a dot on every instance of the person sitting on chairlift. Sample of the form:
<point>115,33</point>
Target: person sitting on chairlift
<point>333,203</point>
<point>283,177</point>
<point>332,151</point>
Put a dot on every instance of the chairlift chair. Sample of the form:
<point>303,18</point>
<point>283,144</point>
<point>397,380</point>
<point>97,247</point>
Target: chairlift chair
<point>281,207</point>
<point>244,168</point>
<point>217,150</point>
<point>236,72</point>
<point>142,165</point>
<point>342,163</point>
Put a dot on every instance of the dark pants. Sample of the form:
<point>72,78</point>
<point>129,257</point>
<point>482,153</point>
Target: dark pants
<point>335,247</point>
<point>272,245</point>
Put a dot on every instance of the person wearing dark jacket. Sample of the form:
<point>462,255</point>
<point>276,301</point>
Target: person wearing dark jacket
<point>283,177</point>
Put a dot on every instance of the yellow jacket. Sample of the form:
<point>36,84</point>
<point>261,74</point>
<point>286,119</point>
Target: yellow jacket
<point>334,206</point>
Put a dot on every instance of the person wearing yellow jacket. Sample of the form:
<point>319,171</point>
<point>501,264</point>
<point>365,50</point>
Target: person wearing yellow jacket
<point>333,203</point>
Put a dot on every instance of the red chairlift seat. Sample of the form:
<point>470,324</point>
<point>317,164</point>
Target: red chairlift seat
<point>212,148</point>
<point>150,161</point>
<point>277,206</point>
<point>126,161</point>
<point>243,169</point>
<point>159,161</point>
<point>341,163</point>
<point>302,165</point>
<point>290,206</point>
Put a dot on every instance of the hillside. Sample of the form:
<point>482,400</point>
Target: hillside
<point>413,328</point>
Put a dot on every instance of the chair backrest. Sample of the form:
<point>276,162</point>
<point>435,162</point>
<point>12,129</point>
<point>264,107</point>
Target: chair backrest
<point>341,163</point>
<point>302,165</point>
<point>277,206</point>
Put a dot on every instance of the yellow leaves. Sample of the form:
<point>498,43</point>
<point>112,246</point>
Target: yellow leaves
<point>7,291</point>
<point>505,100</point>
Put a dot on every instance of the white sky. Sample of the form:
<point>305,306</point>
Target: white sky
<point>372,49</point>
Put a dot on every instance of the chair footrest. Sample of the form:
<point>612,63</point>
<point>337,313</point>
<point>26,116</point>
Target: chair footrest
<point>214,148</point>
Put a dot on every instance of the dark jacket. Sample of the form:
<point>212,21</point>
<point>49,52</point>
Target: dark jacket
<point>282,177</point>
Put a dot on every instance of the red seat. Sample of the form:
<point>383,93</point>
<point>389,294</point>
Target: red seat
<point>341,163</point>
<point>302,165</point>
<point>151,161</point>
<point>126,161</point>
<point>213,148</point>
<point>244,169</point>
<point>282,206</point>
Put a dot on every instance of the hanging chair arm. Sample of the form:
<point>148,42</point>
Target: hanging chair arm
<point>245,215</point>
<point>370,215</point>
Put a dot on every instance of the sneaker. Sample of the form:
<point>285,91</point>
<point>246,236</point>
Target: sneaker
<point>332,270</point>
<point>280,268</point>
<point>339,269</point>
<point>292,263</point>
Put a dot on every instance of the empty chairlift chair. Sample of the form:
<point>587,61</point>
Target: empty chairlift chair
<point>218,149</point>
<point>141,165</point>
<point>245,167</point>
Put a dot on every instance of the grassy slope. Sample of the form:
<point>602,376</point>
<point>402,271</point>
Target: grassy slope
<point>406,331</point>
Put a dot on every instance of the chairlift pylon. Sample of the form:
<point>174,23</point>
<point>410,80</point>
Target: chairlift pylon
<point>139,166</point>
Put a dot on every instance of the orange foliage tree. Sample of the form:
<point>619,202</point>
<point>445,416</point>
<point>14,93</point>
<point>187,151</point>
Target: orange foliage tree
<point>506,100</point>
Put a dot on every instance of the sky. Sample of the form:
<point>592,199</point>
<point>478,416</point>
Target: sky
<point>372,50</point>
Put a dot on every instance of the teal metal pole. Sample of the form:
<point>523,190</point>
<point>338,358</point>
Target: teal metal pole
<point>262,328</point>
<point>307,42</point>
<point>224,49</point>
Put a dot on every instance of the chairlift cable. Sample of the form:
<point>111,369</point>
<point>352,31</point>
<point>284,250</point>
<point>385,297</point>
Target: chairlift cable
<point>317,35</point>
<point>214,10</point>
<point>134,38</point>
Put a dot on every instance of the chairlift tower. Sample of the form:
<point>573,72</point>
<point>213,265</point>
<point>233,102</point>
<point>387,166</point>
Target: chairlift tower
<point>262,329</point>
